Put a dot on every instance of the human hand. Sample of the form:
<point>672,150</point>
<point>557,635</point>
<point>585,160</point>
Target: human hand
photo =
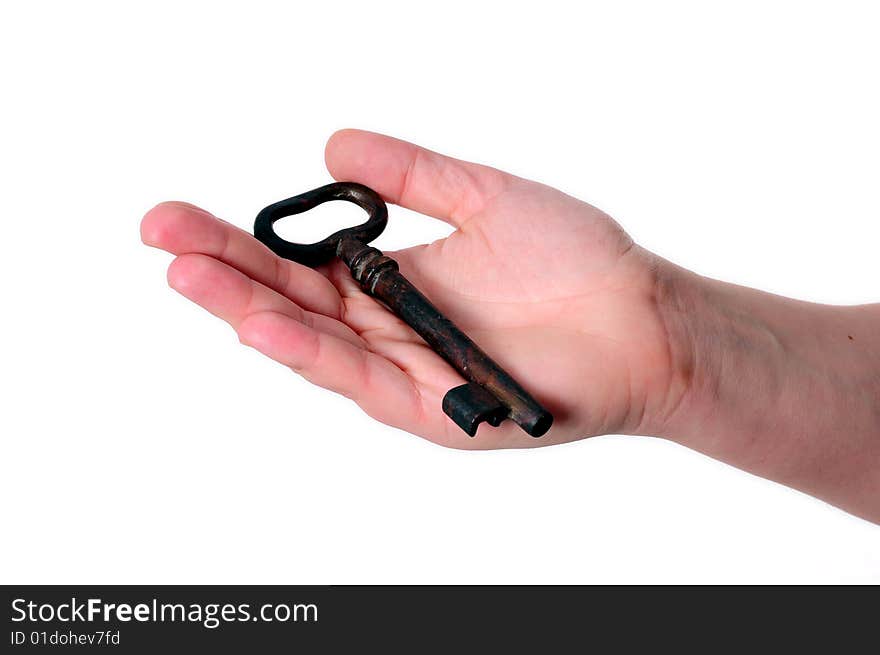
<point>607,336</point>
<point>549,286</point>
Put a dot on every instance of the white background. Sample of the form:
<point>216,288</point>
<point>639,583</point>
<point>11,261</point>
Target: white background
<point>141,443</point>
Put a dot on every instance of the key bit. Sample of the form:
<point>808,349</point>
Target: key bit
<point>491,394</point>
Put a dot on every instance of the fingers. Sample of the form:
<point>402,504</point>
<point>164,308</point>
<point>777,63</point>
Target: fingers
<point>321,349</point>
<point>381,389</point>
<point>416,178</point>
<point>181,228</point>
<point>232,296</point>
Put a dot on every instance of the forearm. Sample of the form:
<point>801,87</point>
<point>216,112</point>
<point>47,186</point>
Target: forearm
<point>785,389</point>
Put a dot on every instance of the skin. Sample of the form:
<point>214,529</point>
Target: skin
<point>608,336</point>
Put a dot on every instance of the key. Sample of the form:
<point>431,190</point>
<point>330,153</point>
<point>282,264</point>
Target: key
<point>490,393</point>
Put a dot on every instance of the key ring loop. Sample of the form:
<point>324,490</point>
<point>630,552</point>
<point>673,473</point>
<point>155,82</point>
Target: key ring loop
<point>315,254</point>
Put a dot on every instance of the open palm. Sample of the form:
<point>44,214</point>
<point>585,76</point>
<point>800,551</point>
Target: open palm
<point>549,286</point>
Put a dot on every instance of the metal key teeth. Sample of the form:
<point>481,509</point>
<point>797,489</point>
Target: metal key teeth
<point>470,404</point>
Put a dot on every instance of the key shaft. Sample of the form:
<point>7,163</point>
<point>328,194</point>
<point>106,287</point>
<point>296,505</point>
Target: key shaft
<point>380,277</point>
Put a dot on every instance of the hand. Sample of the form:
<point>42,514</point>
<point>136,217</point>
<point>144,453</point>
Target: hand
<point>552,288</point>
<point>607,336</point>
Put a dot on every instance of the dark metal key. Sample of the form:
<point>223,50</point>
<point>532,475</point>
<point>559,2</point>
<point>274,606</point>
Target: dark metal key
<point>490,394</point>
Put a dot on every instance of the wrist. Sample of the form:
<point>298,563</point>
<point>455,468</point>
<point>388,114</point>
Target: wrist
<point>688,319</point>
<point>724,355</point>
<point>782,388</point>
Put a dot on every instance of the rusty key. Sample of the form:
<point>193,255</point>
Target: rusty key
<point>490,394</point>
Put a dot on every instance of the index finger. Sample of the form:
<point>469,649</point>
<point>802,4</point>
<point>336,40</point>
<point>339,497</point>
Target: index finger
<point>181,228</point>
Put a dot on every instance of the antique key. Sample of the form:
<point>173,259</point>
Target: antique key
<point>490,394</point>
